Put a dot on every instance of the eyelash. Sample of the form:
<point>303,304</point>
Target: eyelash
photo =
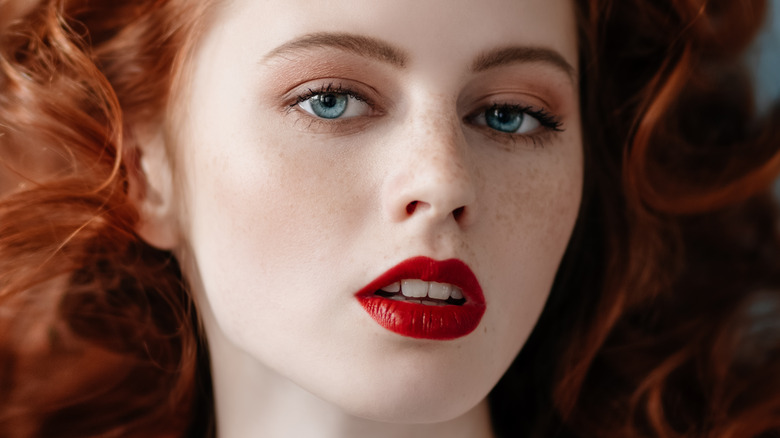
<point>326,125</point>
<point>330,89</point>
<point>545,118</point>
<point>550,123</point>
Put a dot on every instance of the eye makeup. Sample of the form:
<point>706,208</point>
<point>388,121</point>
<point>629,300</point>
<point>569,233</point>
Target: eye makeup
<point>501,121</point>
<point>510,123</point>
<point>335,91</point>
<point>300,105</point>
<point>342,95</point>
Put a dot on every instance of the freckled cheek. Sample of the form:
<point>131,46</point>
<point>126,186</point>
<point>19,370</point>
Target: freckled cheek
<point>533,214</point>
<point>538,204</point>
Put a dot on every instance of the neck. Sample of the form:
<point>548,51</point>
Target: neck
<point>254,401</point>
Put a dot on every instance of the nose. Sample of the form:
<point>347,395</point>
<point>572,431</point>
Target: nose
<point>430,176</point>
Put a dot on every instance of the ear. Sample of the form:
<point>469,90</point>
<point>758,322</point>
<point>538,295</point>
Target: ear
<point>151,190</point>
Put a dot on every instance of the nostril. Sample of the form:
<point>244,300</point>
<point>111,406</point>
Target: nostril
<point>458,213</point>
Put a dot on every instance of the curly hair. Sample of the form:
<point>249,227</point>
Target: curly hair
<point>663,319</point>
<point>662,322</point>
<point>108,343</point>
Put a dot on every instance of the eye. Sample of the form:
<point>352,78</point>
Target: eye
<point>333,105</point>
<point>509,119</point>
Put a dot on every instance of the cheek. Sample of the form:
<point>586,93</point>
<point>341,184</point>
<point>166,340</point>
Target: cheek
<point>267,218</point>
<point>274,196</point>
<point>537,205</point>
<point>532,213</point>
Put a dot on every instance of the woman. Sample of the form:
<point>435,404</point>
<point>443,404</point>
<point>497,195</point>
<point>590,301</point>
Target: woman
<point>378,213</point>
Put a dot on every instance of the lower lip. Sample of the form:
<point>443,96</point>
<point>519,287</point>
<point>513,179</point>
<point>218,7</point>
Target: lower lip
<point>424,321</point>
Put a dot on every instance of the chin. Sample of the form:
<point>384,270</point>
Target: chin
<point>414,398</point>
<point>411,412</point>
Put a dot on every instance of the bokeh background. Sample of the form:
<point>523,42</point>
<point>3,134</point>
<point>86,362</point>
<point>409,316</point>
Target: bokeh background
<point>765,57</point>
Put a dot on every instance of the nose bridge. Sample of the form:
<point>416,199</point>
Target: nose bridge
<point>433,178</point>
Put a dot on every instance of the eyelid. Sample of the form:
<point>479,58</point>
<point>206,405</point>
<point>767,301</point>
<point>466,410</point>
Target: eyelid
<point>550,125</point>
<point>308,122</point>
<point>547,120</point>
<point>305,103</point>
<point>480,119</point>
<point>303,90</point>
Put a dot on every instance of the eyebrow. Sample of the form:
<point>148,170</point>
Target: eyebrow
<point>375,48</point>
<point>510,55</point>
<point>358,44</point>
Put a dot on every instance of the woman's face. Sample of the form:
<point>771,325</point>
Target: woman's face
<point>321,144</point>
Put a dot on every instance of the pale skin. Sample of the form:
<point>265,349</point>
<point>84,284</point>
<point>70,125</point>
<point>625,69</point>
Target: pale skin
<point>279,216</point>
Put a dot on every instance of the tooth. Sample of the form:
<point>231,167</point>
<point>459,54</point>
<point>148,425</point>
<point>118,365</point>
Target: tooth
<point>414,288</point>
<point>395,287</point>
<point>456,293</point>
<point>439,291</point>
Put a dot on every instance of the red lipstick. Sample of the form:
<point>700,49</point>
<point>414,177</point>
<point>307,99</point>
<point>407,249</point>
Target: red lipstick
<point>410,317</point>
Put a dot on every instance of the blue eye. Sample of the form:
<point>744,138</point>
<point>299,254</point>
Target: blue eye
<point>328,106</point>
<point>503,119</point>
<point>333,106</point>
<point>507,119</point>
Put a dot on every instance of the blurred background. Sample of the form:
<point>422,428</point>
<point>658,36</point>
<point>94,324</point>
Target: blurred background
<point>765,57</point>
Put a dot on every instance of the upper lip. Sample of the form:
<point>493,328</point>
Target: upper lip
<point>451,271</point>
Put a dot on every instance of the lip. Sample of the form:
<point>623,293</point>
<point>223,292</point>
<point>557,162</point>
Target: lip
<point>423,321</point>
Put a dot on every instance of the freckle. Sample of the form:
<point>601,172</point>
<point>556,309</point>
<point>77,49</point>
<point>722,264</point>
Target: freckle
<point>484,329</point>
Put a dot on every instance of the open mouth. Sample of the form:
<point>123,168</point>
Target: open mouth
<point>425,298</point>
<point>429,293</point>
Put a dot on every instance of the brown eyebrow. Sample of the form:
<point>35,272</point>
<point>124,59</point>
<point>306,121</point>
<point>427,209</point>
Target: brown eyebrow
<point>508,55</point>
<point>357,44</point>
<point>377,49</point>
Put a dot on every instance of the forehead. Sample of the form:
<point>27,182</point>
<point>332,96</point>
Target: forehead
<point>433,31</point>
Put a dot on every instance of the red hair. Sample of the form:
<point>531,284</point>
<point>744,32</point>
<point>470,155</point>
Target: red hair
<point>106,344</point>
<point>673,346</point>
<point>662,321</point>
<point>663,318</point>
